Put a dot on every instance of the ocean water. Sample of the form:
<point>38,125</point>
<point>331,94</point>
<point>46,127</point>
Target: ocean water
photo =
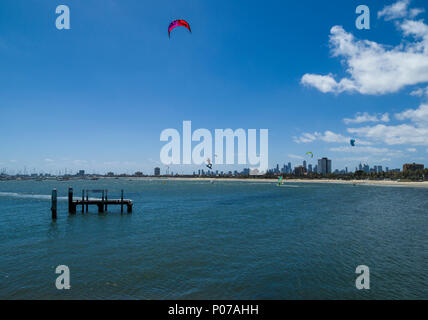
<point>227,240</point>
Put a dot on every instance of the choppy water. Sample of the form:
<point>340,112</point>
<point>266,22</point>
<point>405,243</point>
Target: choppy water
<point>228,240</point>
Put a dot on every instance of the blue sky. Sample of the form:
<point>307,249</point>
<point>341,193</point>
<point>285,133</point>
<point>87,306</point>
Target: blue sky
<point>97,97</point>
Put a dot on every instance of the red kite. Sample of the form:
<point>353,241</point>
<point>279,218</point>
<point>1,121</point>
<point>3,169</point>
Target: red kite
<point>177,23</point>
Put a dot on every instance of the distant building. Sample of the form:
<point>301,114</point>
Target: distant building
<point>138,174</point>
<point>324,166</point>
<point>304,164</point>
<point>412,167</point>
<point>245,172</point>
<point>366,168</point>
<point>299,171</point>
<point>110,174</point>
<point>309,168</point>
<point>157,172</point>
<point>81,173</point>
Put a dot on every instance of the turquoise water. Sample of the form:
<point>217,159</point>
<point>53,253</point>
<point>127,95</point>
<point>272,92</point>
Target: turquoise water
<point>227,240</point>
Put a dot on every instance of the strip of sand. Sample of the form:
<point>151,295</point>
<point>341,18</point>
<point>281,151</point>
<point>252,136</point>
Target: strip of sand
<point>353,182</point>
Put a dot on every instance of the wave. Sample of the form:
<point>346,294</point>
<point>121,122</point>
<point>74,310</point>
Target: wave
<point>34,196</point>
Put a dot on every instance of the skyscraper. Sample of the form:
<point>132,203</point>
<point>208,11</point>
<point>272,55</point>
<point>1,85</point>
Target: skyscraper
<point>157,171</point>
<point>304,164</point>
<point>324,166</point>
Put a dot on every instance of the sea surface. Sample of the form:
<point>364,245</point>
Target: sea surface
<point>227,240</point>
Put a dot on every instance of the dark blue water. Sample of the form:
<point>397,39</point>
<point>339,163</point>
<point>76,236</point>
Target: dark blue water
<point>227,240</point>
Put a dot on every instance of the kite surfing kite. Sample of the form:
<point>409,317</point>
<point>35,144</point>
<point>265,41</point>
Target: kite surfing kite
<point>178,23</point>
<point>209,164</point>
<point>312,155</point>
<point>352,142</point>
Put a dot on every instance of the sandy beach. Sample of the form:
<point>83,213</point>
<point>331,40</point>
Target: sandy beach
<point>388,183</point>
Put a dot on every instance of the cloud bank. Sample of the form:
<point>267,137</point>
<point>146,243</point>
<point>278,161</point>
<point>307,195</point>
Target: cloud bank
<point>374,68</point>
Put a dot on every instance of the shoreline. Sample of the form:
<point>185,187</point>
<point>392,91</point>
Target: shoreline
<point>386,183</point>
<point>389,183</point>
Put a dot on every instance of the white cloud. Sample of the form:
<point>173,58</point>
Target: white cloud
<point>293,156</point>
<point>330,136</point>
<point>411,149</point>
<point>394,135</point>
<point>365,117</point>
<point>369,150</point>
<point>375,68</point>
<point>418,116</point>
<point>306,138</point>
<point>420,92</point>
<point>395,11</point>
<point>49,160</point>
<point>327,136</point>
<point>413,133</point>
<point>415,12</point>
<point>327,83</point>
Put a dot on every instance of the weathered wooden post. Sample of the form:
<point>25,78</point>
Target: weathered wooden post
<point>121,202</point>
<point>87,199</point>
<point>106,201</point>
<point>71,206</point>
<point>54,204</point>
<point>101,205</point>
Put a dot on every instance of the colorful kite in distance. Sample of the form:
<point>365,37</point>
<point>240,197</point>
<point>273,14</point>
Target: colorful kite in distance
<point>352,142</point>
<point>178,23</point>
<point>312,155</point>
<point>209,164</point>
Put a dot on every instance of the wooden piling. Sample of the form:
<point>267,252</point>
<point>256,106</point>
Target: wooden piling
<point>83,200</point>
<point>71,206</point>
<point>105,208</point>
<point>121,202</point>
<point>87,200</point>
<point>102,202</point>
<point>54,204</point>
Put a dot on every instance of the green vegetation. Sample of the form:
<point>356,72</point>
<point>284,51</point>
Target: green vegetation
<point>418,175</point>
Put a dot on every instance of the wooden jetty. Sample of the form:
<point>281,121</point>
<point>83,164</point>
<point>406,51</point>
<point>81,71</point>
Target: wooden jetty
<point>102,203</point>
<point>85,202</point>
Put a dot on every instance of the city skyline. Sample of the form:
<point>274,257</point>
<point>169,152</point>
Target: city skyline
<point>321,166</point>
